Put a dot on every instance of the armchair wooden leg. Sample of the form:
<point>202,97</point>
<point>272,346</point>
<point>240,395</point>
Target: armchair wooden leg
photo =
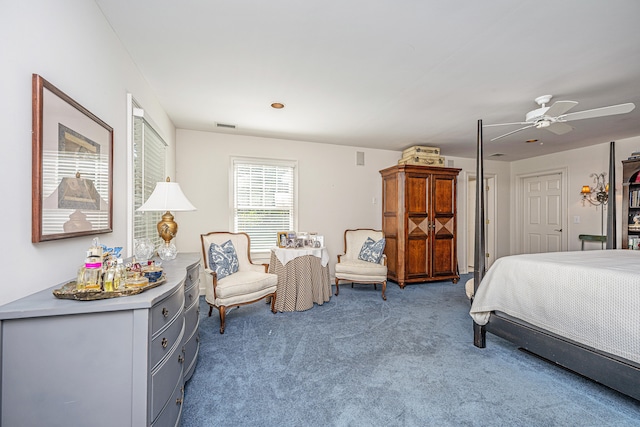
<point>337,288</point>
<point>210,310</point>
<point>222,314</point>
<point>384,288</point>
<point>273,302</point>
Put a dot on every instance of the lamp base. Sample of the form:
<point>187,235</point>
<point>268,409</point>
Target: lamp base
<point>167,251</point>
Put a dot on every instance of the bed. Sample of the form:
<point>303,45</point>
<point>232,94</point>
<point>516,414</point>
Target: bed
<point>580,310</point>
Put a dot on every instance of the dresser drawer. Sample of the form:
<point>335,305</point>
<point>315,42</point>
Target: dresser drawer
<point>171,413</point>
<point>191,295</point>
<point>191,316</point>
<point>163,343</point>
<point>193,276</point>
<point>165,311</point>
<point>191,348</point>
<point>165,376</point>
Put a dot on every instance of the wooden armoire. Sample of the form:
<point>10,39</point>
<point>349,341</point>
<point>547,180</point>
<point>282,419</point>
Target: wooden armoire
<point>419,223</point>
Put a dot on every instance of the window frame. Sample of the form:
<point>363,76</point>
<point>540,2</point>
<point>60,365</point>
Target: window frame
<point>257,252</point>
<point>150,218</point>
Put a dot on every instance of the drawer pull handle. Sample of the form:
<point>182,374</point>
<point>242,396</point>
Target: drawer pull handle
<point>179,401</point>
<point>180,358</point>
<point>165,342</point>
<point>165,312</point>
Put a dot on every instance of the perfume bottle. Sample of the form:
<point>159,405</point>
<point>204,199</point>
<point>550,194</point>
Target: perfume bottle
<point>80,277</point>
<point>120,275</point>
<point>109,277</point>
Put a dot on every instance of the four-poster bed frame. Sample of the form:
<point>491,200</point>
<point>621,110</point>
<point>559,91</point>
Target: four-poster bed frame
<point>610,370</point>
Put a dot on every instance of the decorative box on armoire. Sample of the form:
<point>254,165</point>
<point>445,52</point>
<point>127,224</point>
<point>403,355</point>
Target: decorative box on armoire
<point>419,223</point>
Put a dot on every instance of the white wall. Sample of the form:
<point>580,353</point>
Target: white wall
<point>70,44</point>
<point>334,193</point>
<point>580,164</point>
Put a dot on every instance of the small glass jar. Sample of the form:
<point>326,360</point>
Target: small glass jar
<point>92,275</point>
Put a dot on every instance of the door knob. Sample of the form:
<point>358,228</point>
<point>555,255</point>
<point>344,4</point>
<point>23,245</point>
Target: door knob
<point>560,231</point>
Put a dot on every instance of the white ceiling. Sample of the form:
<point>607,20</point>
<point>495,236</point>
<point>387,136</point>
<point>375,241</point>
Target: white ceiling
<point>388,73</point>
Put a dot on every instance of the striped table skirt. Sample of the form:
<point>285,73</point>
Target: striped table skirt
<point>302,282</point>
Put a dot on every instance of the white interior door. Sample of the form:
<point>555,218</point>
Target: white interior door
<point>543,218</point>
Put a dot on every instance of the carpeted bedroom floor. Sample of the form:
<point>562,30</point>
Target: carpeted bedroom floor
<point>360,361</point>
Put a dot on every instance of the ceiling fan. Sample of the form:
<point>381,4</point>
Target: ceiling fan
<point>554,118</point>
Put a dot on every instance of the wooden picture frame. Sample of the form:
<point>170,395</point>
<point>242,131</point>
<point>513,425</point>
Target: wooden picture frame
<point>282,239</point>
<point>72,167</point>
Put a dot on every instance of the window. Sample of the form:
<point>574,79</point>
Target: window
<point>264,199</point>
<point>148,168</point>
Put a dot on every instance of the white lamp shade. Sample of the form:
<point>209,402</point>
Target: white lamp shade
<point>167,196</point>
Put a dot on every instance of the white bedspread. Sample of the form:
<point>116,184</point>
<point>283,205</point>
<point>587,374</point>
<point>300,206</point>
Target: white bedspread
<point>591,297</point>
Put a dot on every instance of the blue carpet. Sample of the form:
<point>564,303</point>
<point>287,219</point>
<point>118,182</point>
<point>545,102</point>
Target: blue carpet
<point>360,361</point>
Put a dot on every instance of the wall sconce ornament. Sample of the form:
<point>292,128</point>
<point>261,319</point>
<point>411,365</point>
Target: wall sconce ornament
<point>599,193</point>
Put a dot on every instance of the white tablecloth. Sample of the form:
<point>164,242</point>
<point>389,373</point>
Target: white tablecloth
<point>287,254</point>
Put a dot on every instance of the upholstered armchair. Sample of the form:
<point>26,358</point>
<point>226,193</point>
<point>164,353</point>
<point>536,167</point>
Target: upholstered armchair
<point>235,280</point>
<point>363,260</point>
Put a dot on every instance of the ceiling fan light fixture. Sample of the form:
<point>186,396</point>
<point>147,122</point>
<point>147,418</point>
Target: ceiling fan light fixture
<point>530,141</point>
<point>277,105</point>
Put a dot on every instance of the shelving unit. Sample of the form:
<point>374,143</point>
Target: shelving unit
<point>630,204</point>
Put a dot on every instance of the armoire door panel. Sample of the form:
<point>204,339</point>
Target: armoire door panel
<point>391,251</point>
<point>418,225</point>
<point>443,258</point>
<point>444,195</point>
<point>416,194</point>
<point>390,195</point>
<point>390,222</point>
<point>417,257</point>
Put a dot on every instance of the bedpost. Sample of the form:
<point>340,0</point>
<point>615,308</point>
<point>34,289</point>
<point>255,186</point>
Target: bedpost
<point>611,203</point>
<point>479,332</point>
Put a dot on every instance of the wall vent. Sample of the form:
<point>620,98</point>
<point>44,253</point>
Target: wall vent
<point>225,125</point>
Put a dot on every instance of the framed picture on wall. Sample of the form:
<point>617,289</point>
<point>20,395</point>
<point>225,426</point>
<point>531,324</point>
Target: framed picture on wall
<point>72,167</point>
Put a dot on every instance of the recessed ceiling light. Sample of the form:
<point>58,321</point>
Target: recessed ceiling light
<point>277,105</point>
<point>529,141</point>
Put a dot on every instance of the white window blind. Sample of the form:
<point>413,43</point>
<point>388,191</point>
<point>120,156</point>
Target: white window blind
<point>264,199</point>
<point>149,150</point>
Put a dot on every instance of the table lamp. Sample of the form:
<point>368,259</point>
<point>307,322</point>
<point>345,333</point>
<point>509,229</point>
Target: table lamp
<point>167,196</point>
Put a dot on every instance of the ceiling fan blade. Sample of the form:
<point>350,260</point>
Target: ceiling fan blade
<point>559,108</point>
<point>598,112</point>
<point>512,132</point>
<point>505,124</point>
<point>559,128</point>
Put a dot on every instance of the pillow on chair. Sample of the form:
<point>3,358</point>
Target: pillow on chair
<point>223,259</point>
<point>372,251</point>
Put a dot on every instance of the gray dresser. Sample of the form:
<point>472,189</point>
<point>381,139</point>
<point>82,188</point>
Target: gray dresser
<point>112,362</point>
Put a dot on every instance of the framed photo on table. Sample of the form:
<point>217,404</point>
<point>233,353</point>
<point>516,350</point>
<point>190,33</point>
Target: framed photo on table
<point>72,167</point>
<point>282,239</point>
